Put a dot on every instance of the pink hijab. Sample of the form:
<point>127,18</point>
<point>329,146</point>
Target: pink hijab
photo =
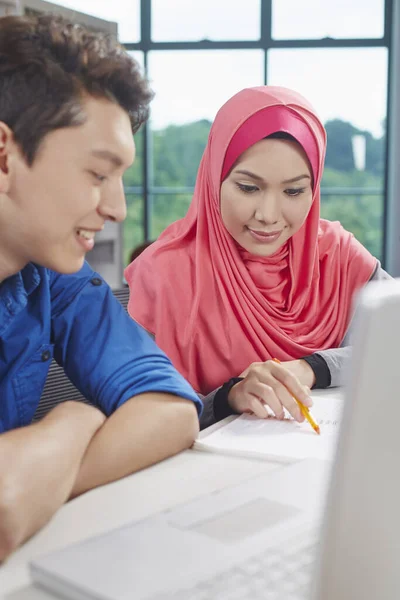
<point>213,307</point>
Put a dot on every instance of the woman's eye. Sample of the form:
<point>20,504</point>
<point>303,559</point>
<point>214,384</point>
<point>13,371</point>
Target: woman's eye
<point>247,189</point>
<point>294,191</point>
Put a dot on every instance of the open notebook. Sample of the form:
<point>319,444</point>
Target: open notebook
<point>283,441</point>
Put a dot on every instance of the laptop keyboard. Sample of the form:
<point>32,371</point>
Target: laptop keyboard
<point>282,575</point>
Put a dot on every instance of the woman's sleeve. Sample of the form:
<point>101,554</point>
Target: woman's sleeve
<point>208,418</point>
<point>330,366</point>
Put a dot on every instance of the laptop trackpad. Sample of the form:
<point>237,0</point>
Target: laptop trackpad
<point>245,520</point>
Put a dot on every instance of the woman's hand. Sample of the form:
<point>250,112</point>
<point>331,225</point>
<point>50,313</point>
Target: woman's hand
<point>273,385</point>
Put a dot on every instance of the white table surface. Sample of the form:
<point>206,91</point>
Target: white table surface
<point>176,480</point>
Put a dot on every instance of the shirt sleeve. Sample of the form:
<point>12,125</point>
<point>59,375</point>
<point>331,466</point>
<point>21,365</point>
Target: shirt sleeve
<point>330,366</point>
<point>216,405</point>
<point>321,370</point>
<point>107,356</point>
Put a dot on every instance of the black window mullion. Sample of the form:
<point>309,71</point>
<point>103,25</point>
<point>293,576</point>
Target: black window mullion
<point>388,32</point>
<point>145,39</point>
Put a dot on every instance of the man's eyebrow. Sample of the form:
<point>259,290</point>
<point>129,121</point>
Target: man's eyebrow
<point>297,178</point>
<point>108,155</point>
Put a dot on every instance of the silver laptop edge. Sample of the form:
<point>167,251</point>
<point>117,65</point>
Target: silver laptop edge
<point>360,553</point>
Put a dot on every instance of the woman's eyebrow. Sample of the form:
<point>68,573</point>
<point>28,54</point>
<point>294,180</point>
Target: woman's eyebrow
<point>249,174</point>
<point>296,178</point>
<point>259,178</point>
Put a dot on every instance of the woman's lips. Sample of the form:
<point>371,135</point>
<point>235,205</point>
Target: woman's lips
<point>265,237</point>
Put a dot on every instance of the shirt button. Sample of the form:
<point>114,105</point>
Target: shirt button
<point>96,281</point>
<point>46,354</point>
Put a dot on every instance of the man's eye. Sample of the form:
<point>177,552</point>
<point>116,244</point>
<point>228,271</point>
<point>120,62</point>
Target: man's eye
<point>98,177</point>
<point>247,189</point>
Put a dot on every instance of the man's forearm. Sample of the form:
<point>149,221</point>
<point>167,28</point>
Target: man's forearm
<point>143,431</point>
<point>38,466</point>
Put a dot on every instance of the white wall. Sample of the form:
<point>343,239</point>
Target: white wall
<point>8,7</point>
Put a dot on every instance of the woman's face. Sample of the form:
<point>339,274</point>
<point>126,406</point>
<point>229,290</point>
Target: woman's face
<point>267,195</point>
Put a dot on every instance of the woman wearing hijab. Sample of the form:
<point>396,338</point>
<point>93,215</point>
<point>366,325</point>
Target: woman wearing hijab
<point>252,273</point>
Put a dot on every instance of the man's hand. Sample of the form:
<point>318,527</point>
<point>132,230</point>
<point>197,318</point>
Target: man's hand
<point>74,449</point>
<point>274,385</point>
<point>38,467</point>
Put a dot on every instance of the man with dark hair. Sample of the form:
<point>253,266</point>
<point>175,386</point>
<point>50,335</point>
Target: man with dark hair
<point>69,102</point>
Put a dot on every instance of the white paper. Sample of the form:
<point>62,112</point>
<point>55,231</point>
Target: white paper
<point>281,440</point>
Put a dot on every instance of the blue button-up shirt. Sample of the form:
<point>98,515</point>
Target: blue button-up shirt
<point>76,319</point>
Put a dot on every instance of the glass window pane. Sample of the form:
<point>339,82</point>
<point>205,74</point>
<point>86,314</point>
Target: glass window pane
<point>177,151</point>
<point>315,19</point>
<point>189,91</point>
<point>359,211</point>
<point>133,228</point>
<point>354,114</point>
<point>167,208</point>
<point>134,175</point>
<point>183,20</point>
<point>126,13</point>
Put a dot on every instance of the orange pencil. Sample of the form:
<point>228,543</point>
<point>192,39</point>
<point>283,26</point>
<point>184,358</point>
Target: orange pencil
<point>304,410</point>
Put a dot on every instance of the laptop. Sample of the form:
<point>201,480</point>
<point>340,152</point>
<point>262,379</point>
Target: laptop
<point>286,535</point>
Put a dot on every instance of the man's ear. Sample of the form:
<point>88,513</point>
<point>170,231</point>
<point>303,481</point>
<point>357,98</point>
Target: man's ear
<point>6,145</point>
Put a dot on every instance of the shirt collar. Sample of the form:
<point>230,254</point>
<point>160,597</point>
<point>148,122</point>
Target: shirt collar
<point>30,278</point>
<point>15,289</point>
